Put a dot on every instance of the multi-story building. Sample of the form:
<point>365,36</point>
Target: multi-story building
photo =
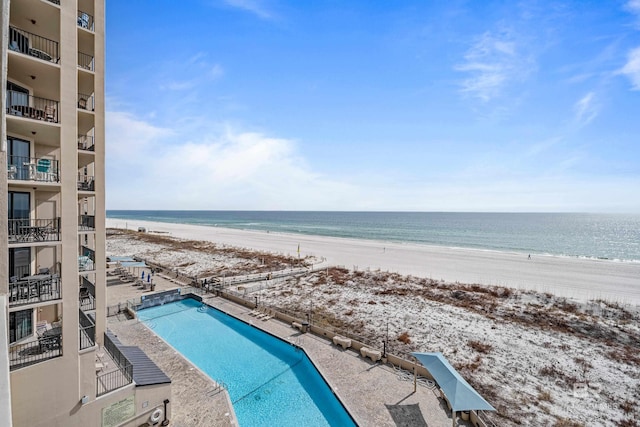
<point>54,345</point>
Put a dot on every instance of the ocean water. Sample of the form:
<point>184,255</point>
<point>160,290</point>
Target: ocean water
<point>602,236</point>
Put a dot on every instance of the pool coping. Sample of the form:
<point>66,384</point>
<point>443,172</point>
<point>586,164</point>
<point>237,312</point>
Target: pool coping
<point>233,417</point>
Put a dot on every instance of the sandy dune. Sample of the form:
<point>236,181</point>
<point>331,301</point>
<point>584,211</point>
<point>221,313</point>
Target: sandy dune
<point>582,279</point>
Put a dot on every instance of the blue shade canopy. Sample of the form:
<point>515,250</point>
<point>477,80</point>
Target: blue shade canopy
<point>133,264</point>
<point>120,258</point>
<point>461,396</point>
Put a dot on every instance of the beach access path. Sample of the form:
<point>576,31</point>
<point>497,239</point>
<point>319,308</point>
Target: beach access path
<point>579,278</point>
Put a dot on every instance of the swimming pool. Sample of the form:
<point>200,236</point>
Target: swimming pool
<point>269,381</point>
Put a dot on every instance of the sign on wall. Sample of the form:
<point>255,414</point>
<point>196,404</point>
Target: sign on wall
<point>119,412</point>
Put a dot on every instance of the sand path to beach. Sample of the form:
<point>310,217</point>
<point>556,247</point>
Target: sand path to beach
<point>578,278</point>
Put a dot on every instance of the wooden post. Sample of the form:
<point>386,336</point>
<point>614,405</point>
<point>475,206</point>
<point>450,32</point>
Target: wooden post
<point>453,417</point>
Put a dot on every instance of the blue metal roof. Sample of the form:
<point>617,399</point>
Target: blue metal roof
<point>145,372</point>
<point>461,396</point>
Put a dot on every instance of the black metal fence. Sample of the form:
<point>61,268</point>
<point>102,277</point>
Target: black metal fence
<point>34,289</point>
<point>45,348</point>
<point>86,183</point>
<point>86,102</point>
<point>85,142</point>
<point>87,294</point>
<point>85,21</point>
<point>87,331</point>
<point>87,259</point>
<point>24,105</point>
<point>33,169</point>
<point>85,61</point>
<point>113,380</point>
<point>34,230</point>
<point>33,45</point>
<point>86,222</point>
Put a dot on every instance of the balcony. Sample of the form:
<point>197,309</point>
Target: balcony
<point>33,45</point>
<point>86,183</point>
<point>87,330</point>
<point>34,230</point>
<point>24,105</point>
<point>32,169</point>
<point>86,142</point>
<point>86,61</point>
<point>86,102</point>
<point>86,223</point>
<point>87,295</point>
<point>85,21</point>
<point>121,376</point>
<point>47,346</point>
<point>34,289</point>
<point>86,261</point>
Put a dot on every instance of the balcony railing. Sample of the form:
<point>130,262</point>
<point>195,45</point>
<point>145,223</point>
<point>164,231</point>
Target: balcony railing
<point>86,142</point>
<point>86,223</point>
<point>34,230</point>
<point>86,102</point>
<point>86,261</point>
<point>34,289</point>
<point>87,331</point>
<point>86,183</point>
<point>85,61</point>
<point>55,2</point>
<point>33,45</point>
<point>87,294</point>
<point>25,105</point>
<point>113,380</point>
<point>85,21</point>
<point>33,169</point>
<point>46,347</point>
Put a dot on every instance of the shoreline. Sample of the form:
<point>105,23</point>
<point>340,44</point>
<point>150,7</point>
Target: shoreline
<point>572,277</point>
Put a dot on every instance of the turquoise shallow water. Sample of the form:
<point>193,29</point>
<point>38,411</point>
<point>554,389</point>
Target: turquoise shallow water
<point>604,236</point>
<point>269,381</point>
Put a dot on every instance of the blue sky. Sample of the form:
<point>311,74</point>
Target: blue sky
<point>363,105</point>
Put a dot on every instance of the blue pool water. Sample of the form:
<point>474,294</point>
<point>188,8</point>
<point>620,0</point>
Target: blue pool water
<point>270,382</point>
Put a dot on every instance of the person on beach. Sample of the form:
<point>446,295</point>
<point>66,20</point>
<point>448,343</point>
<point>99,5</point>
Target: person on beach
<point>529,256</point>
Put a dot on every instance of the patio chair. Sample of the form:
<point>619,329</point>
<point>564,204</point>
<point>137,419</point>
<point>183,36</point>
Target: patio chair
<point>12,171</point>
<point>43,169</point>
<point>50,113</point>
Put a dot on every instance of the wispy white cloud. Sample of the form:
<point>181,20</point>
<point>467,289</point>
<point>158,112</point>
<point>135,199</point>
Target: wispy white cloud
<point>633,6</point>
<point>222,170</point>
<point>493,62</point>
<point>632,68</point>
<point>199,72</point>
<point>586,109</point>
<point>256,7</point>
<point>216,71</point>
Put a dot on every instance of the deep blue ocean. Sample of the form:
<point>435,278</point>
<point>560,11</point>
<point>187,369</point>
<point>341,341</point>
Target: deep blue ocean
<point>604,236</point>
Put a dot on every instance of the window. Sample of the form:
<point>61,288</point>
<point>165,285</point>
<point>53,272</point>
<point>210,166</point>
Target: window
<point>20,324</point>
<point>19,262</point>
<point>18,154</point>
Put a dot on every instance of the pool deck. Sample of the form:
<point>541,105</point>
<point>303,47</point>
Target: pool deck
<point>374,393</point>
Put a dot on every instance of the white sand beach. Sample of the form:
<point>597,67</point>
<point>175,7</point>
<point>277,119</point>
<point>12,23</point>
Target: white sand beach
<point>582,279</point>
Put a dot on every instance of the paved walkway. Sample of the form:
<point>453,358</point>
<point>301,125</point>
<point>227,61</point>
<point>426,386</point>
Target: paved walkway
<point>373,393</point>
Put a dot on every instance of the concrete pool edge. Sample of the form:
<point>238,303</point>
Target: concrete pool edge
<point>201,300</point>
